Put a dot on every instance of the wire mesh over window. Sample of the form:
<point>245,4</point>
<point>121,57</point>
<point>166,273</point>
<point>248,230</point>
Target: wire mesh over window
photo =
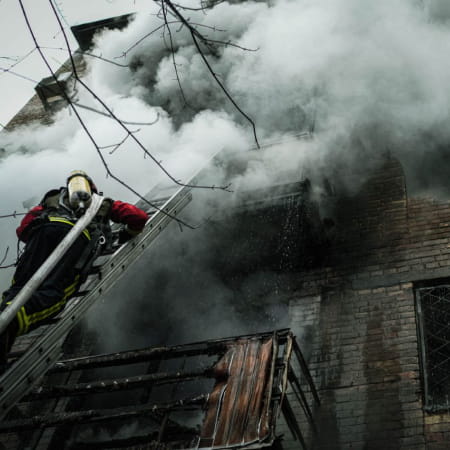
<point>433,310</point>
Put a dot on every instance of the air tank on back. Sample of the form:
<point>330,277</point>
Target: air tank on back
<point>79,191</point>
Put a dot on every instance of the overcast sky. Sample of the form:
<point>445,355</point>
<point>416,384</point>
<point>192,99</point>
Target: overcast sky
<point>17,41</point>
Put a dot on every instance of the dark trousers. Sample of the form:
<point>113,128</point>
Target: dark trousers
<point>50,298</point>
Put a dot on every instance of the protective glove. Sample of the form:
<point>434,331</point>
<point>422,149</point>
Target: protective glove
<point>124,236</point>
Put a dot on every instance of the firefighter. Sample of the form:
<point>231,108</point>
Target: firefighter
<point>42,229</point>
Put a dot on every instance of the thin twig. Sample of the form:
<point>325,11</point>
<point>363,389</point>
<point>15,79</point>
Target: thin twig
<point>224,90</point>
<point>60,12</point>
<point>108,115</point>
<point>14,214</point>
<point>196,35</point>
<point>206,40</point>
<point>116,146</point>
<point>137,141</point>
<point>83,125</point>
<point>79,52</point>
<point>203,8</point>
<point>231,44</point>
<point>4,257</point>
<point>167,27</point>
<point>16,74</point>
<point>3,260</point>
<point>124,53</point>
<point>23,58</point>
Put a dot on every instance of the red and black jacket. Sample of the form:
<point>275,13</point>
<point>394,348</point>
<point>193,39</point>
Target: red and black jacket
<point>121,212</point>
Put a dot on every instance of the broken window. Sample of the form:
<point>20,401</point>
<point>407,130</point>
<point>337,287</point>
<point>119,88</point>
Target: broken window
<point>51,92</point>
<point>433,318</point>
<point>85,32</point>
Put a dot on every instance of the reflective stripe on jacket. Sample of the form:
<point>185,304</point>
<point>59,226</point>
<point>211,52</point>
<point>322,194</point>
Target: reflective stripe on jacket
<point>120,212</point>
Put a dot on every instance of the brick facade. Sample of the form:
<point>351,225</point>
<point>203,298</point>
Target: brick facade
<point>34,112</point>
<point>357,318</point>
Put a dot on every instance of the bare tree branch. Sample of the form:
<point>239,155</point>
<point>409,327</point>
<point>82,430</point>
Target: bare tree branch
<point>19,60</point>
<point>124,53</point>
<point>83,125</point>
<point>116,146</point>
<point>231,44</point>
<point>205,39</point>
<point>167,27</point>
<point>137,141</point>
<point>57,7</point>
<point>202,8</point>
<point>14,214</point>
<point>108,115</point>
<point>7,266</point>
<point>79,52</point>
<point>16,74</point>
<point>166,22</point>
<point>198,36</point>
<point>5,255</point>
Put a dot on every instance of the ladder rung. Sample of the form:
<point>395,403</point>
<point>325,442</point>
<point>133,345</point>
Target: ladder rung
<point>81,293</point>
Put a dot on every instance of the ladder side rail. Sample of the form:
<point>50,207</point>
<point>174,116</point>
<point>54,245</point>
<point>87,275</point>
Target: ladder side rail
<point>21,377</point>
<point>36,280</point>
<point>44,352</point>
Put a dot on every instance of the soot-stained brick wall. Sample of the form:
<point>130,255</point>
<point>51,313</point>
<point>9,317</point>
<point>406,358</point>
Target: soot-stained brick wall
<point>356,318</point>
<point>34,112</point>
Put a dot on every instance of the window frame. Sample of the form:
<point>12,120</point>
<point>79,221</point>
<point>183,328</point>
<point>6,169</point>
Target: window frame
<point>429,405</point>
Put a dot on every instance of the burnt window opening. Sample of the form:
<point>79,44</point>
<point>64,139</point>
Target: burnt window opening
<point>433,322</point>
<point>276,229</point>
<point>247,256</point>
<point>254,250</point>
<point>84,33</point>
<point>52,93</point>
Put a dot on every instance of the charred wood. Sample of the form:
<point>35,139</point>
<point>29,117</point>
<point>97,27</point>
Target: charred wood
<point>305,370</point>
<point>134,357</point>
<point>298,391</point>
<point>100,415</point>
<point>136,441</point>
<point>292,423</point>
<point>118,384</point>
<point>210,347</point>
<point>184,437</point>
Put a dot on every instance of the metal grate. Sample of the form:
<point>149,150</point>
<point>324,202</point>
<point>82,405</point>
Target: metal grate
<point>433,310</point>
<point>217,394</point>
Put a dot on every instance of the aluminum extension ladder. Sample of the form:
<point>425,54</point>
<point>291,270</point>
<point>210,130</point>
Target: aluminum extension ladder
<point>42,354</point>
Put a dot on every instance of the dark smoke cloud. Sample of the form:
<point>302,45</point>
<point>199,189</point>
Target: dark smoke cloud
<point>185,290</point>
<point>367,77</point>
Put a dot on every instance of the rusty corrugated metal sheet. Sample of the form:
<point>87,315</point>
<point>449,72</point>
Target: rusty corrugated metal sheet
<point>251,374</point>
<point>238,410</point>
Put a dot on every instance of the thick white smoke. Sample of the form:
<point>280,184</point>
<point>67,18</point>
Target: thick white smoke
<point>367,77</point>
